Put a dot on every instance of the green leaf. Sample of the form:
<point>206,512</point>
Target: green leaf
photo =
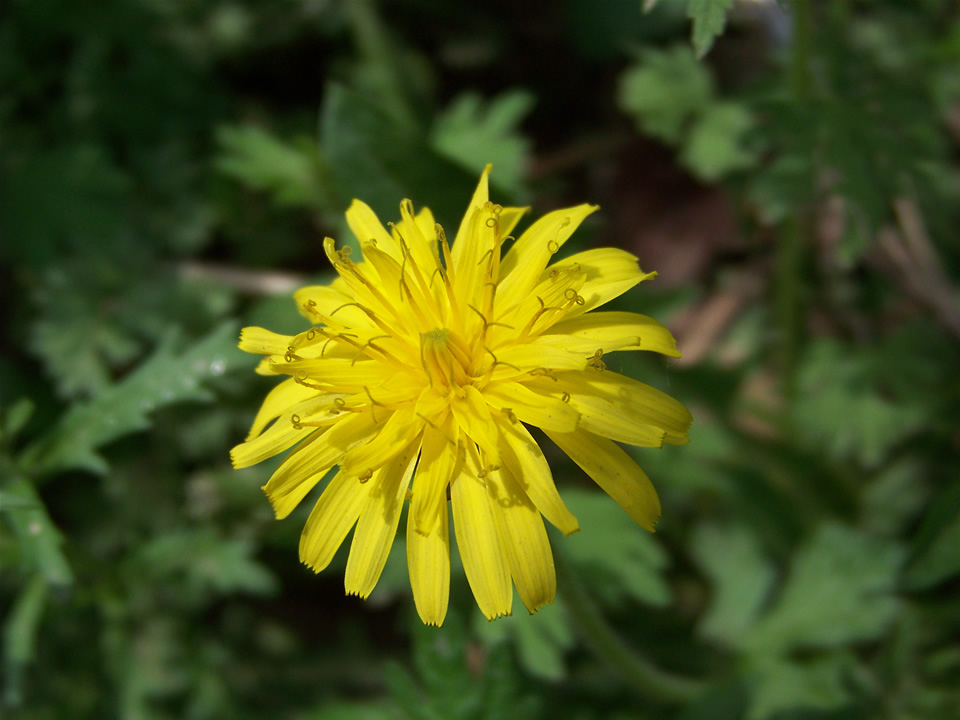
<point>716,144</point>
<point>472,133</point>
<point>840,590</point>
<point>15,419</point>
<point>842,409</point>
<point>372,158</point>
<point>20,634</point>
<point>616,558</point>
<point>780,685</point>
<point>936,558</point>
<point>164,379</point>
<point>255,157</point>
<point>208,562</point>
<point>741,576</point>
<point>709,18</point>
<point>665,92</point>
<point>541,640</point>
<point>38,538</point>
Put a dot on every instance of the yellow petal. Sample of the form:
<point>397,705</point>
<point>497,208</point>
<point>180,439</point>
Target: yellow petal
<point>366,226</point>
<point>534,357</point>
<point>524,539</point>
<point>473,415</point>
<point>438,460</point>
<point>339,374</point>
<point>263,342</point>
<point>514,399</point>
<point>283,397</point>
<point>601,413</point>
<point>463,250</point>
<point>277,438</point>
<point>325,304</point>
<point>641,402</point>
<point>509,217</point>
<point>397,433</point>
<point>615,472</point>
<point>378,522</point>
<point>612,331</point>
<point>484,558</point>
<point>306,465</point>
<point>524,459</point>
<point>523,264</point>
<point>334,514</point>
<point>428,562</point>
<point>610,272</point>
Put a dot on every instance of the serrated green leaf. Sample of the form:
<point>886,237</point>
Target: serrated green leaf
<point>665,92</point>
<point>741,577</point>
<point>841,409</point>
<point>709,19</point>
<point>164,379</point>
<point>472,133</point>
<point>261,160</point>
<point>615,557</point>
<point>840,590</point>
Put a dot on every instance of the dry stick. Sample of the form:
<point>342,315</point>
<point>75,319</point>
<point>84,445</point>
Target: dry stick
<point>918,267</point>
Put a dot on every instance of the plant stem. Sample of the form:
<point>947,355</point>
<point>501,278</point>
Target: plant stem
<point>797,231</point>
<point>641,675</point>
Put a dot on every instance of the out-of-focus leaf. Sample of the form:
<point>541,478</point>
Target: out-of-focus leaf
<point>780,685</point>
<point>473,133</point>
<point>73,192</point>
<point>741,577</point>
<point>39,539</point>
<point>209,562</point>
<point>164,379</point>
<point>20,634</point>
<point>289,172</point>
<point>353,711</point>
<point>892,500</point>
<point>716,146</point>
<point>372,158</point>
<point>665,92</point>
<point>615,557</point>
<point>936,557</point>
<point>15,418</point>
<point>840,408</point>
<point>541,640</point>
<point>839,591</point>
<point>940,561</point>
<point>709,18</point>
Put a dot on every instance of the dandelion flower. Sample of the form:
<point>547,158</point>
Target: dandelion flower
<point>425,364</point>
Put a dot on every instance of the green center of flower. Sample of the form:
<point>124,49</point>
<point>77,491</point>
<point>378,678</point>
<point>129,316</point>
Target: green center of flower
<point>445,358</point>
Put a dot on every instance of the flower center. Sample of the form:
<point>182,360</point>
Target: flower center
<point>445,358</point>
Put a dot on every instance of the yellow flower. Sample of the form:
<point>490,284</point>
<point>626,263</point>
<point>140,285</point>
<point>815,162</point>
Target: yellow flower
<point>424,365</point>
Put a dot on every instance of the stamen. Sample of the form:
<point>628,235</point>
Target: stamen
<point>595,362</point>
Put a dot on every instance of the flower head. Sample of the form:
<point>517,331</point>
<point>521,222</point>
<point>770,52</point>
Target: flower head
<point>425,364</point>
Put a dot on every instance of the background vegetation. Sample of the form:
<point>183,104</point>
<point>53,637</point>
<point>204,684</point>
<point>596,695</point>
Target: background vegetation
<point>167,171</point>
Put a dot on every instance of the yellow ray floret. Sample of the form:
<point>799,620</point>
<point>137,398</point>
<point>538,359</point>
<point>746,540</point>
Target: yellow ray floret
<point>413,387</point>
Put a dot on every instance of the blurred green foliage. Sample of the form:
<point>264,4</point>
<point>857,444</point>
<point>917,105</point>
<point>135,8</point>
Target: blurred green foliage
<point>167,170</point>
